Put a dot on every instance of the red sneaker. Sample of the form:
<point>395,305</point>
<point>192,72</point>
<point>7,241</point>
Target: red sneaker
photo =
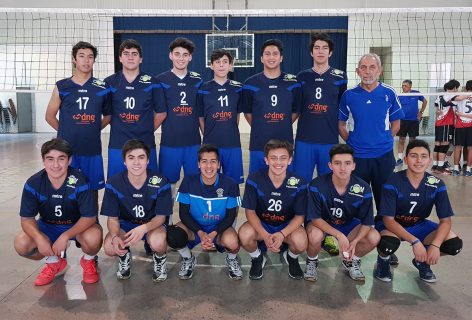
<point>90,274</point>
<point>50,271</point>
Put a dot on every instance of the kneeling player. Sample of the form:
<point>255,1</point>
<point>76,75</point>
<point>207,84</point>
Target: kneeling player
<point>408,197</point>
<point>138,203</point>
<point>275,203</point>
<point>208,205</point>
<point>64,200</point>
<point>340,204</point>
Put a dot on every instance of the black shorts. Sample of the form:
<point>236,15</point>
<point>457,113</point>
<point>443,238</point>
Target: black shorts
<point>463,137</point>
<point>410,128</point>
<point>444,133</point>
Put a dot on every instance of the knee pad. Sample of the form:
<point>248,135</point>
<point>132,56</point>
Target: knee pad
<point>176,237</point>
<point>452,246</point>
<point>436,149</point>
<point>444,148</point>
<point>388,245</point>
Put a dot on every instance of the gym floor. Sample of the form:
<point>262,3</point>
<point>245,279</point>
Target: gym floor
<point>210,294</point>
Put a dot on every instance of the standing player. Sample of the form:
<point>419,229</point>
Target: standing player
<point>375,113</point>
<point>407,200</point>
<point>410,125</point>
<point>219,106</point>
<point>208,204</point>
<point>180,138</point>
<point>67,211</point>
<point>444,127</point>
<point>138,203</point>
<point>137,107</point>
<point>82,99</point>
<point>340,204</point>
<point>271,103</point>
<point>275,203</point>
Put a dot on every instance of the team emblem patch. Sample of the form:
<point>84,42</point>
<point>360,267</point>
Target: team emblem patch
<point>220,192</point>
<point>145,78</point>
<point>194,75</point>
<point>290,77</point>
<point>99,83</point>
<point>432,180</point>
<point>357,188</point>
<point>155,180</point>
<point>71,180</point>
<point>292,182</point>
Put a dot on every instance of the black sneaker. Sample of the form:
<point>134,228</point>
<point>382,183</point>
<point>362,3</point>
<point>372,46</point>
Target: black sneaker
<point>124,266</point>
<point>382,272</point>
<point>160,268</point>
<point>257,265</point>
<point>393,260</point>
<point>426,274</point>
<point>294,270</point>
<point>186,267</point>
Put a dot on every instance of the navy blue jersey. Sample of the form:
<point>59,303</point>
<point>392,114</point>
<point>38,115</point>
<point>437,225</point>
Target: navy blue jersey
<point>271,103</point>
<point>139,206</point>
<point>326,203</point>
<point>208,204</point>
<point>370,114</point>
<point>410,206</point>
<point>410,105</point>
<point>275,206</point>
<point>318,122</point>
<point>181,127</point>
<point>132,108</point>
<point>66,205</point>
<point>220,106</point>
<point>80,114</point>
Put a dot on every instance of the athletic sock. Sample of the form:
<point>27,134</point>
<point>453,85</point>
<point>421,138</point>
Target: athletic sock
<point>293,255</point>
<point>231,256</point>
<point>456,167</point>
<point>52,259</point>
<point>89,257</point>
<point>440,163</point>
<point>185,253</point>
<point>310,258</point>
<point>384,258</point>
<point>354,257</point>
<point>255,254</point>
<point>435,163</point>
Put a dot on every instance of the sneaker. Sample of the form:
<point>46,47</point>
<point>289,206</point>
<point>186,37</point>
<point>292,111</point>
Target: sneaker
<point>426,274</point>
<point>399,163</point>
<point>455,173</point>
<point>160,268</point>
<point>90,274</point>
<point>124,266</point>
<point>354,269</point>
<point>186,267</point>
<point>468,173</point>
<point>311,270</point>
<point>234,270</point>
<point>294,270</point>
<point>382,272</point>
<point>393,260</point>
<point>447,164</point>
<point>434,169</point>
<point>257,265</point>
<point>444,170</point>
<point>331,246</point>
<point>50,271</point>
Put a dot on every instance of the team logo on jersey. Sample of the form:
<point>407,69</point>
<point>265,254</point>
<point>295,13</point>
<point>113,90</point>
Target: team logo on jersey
<point>220,192</point>
<point>183,111</point>
<point>432,181</point>
<point>386,98</point>
<point>72,181</point>
<point>337,73</point>
<point>145,79</point>
<point>154,180</point>
<point>356,190</point>
<point>99,83</point>
<point>129,117</point>
<point>292,182</point>
<point>84,118</point>
<point>274,116</point>
<point>369,102</point>
<point>222,115</point>
<point>317,108</point>
<point>195,75</point>
<point>235,83</point>
<point>290,77</point>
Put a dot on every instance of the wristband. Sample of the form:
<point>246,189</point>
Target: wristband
<point>282,233</point>
<point>432,244</point>
<point>415,242</point>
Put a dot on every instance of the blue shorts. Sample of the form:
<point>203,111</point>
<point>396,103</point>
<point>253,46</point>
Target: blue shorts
<point>272,229</point>
<point>420,230</point>
<point>172,159</point>
<point>231,160</point>
<point>92,167</point>
<point>116,162</point>
<point>127,225</point>
<point>257,162</point>
<point>53,231</point>
<point>310,155</point>
<point>193,243</point>
<point>347,228</point>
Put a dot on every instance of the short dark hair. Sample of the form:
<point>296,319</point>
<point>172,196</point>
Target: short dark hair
<point>220,53</point>
<point>455,83</point>
<point>340,149</point>
<point>207,148</point>
<point>468,85</point>
<point>408,81</point>
<point>273,144</point>
<point>182,42</point>
<point>130,44</point>
<point>449,86</point>
<point>134,144</point>
<point>56,144</point>
<point>273,42</point>
<point>417,143</point>
<point>321,36</point>
<point>84,45</point>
